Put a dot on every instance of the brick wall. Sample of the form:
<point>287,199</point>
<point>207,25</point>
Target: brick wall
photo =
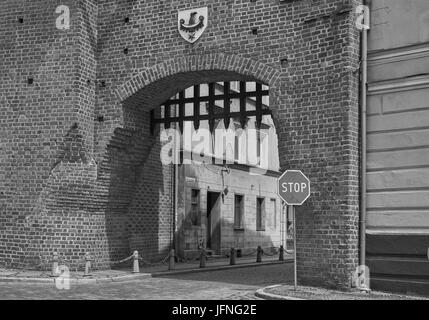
<point>97,198</point>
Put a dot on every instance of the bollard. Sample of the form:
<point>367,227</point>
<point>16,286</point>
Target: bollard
<point>281,254</point>
<point>55,270</point>
<point>203,258</point>
<point>259,252</point>
<point>171,260</point>
<point>232,256</point>
<point>87,265</point>
<point>136,267</point>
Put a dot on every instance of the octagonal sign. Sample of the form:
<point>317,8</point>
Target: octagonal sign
<point>293,187</point>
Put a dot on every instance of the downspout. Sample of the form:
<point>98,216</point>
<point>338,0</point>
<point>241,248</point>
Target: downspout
<point>176,195</point>
<point>176,201</point>
<point>363,103</point>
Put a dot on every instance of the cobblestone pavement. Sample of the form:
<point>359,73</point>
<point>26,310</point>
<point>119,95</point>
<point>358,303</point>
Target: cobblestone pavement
<point>235,284</point>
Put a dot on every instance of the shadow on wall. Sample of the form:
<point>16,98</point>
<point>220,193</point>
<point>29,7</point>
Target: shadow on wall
<point>65,219</point>
<point>138,191</point>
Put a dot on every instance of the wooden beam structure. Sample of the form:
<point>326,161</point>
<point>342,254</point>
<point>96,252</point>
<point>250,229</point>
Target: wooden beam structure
<point>254,96</point>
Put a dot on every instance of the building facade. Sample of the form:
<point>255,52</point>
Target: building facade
<point>398,154</point>
<point>220,209</point>
<point>80,167</point>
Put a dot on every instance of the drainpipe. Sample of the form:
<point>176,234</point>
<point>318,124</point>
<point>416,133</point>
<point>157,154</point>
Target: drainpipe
<point>176,196</point>
<point>176,201</point>
<point>363,103</point>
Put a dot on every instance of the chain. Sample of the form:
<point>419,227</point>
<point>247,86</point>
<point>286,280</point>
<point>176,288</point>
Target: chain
<point>268,254</point>
<point>217,257</point>
<point>249,254</point>
<point>26,269</point>
<point>164,260</point>
<point>122,261</point>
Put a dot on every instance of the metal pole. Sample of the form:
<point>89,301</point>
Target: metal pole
<point>284,224</point>
<point>294,247</point>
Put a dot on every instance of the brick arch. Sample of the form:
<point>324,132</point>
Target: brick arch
<point>152,86</point>
<point>206,66</point>
<point>134,155</point>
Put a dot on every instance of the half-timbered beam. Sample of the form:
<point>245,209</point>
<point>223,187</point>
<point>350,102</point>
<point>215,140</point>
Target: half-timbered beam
<point>196,107</point>
<point>226,104</point>
<point>243,118</point>
<point>258,105</point>
<point>211,106</point>
<point>181,110</point>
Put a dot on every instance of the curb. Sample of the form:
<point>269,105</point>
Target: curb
<point>270,296</point>
<point>217,268</point>
<point>131,277</point>
<point>76,281</point>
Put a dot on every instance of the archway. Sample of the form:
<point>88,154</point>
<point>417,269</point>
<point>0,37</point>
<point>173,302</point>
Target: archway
<point>143,93</point>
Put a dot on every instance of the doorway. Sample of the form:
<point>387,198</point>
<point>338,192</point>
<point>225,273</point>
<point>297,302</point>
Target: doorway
<point>213,221</point>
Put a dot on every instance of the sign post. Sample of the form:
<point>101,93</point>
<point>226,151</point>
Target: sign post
<point>295,277</point>
<point>294,190</point>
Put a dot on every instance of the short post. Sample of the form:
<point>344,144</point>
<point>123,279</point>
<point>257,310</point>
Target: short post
<point>55,270</point>
<point>203,255</point>
<point>171,260</point>
<point>259,252</point>
<point>87,265</point>
<point>232,256</point>
<point>136,267</point>
<point>281,254</point>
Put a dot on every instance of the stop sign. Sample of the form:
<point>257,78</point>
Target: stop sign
<point>293,187</point>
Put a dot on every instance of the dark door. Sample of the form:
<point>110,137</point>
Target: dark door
<point>213,221</point>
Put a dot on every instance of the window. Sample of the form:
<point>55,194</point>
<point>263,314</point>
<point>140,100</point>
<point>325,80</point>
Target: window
<point>260,214</point>
<point>274,212</point>
<point>238,212</point>
<point>195,207</point>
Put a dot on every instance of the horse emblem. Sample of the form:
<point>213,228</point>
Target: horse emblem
<point>193,23</point>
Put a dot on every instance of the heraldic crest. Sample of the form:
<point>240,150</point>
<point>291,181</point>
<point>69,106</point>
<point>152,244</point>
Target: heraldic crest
<point>193,23</point>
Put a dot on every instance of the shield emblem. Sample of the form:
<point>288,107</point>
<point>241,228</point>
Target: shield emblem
<point>192,23</point>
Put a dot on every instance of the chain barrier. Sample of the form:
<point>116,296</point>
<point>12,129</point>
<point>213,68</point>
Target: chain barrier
<point>145,262</point>
<point>122,261</point>
<point>217,256</point>
<point>44,265</point>
<point>249,254</point>
<point>269,254</point>
<point>25,269</point>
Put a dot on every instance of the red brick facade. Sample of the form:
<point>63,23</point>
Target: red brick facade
<point>79,170</point>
